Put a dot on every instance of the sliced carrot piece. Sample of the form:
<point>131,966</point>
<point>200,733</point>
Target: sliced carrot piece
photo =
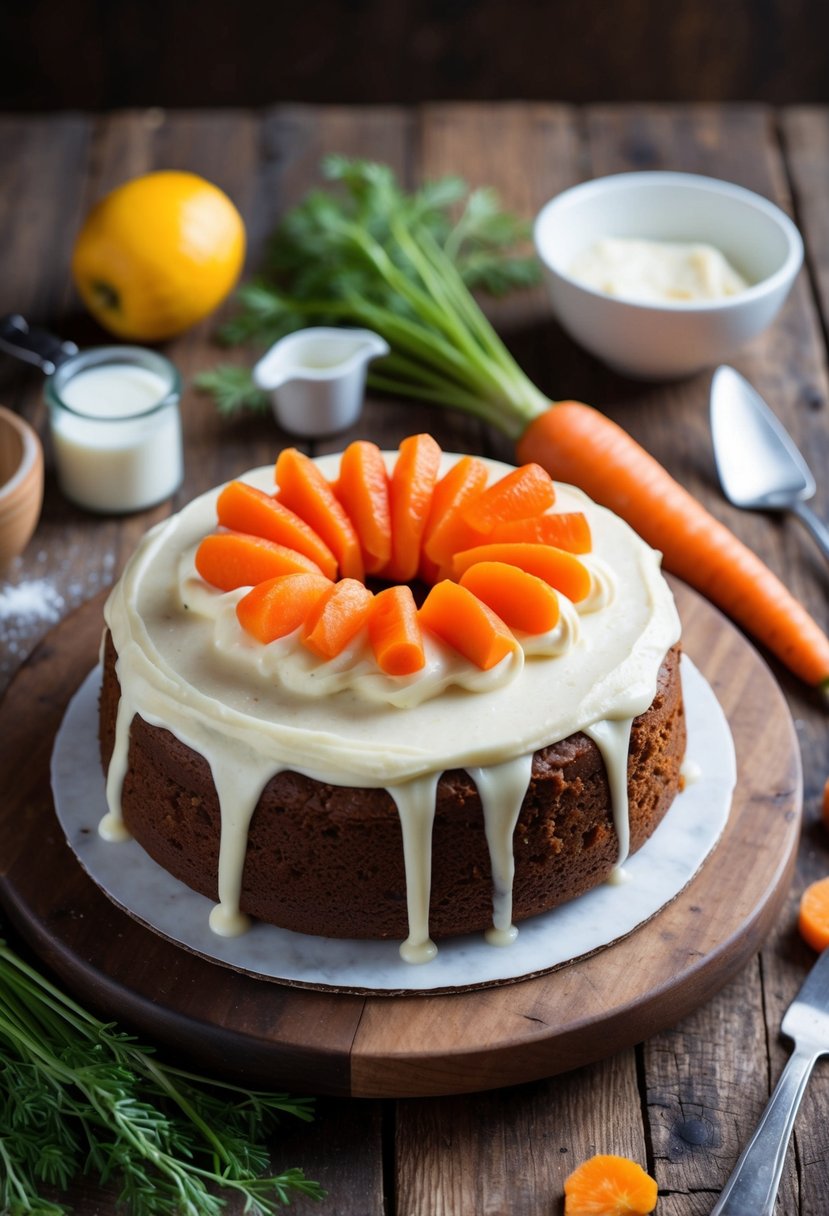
<point>228,560</point>
<point>304,490</point>
<point>244,508</point>
<point>813,914</point>
<point>280,605</point>
<point>561,570</point>
<point>522,601</point>
<point>454,614</point>
<point>412,484</point>
<point>394,632</point>
<point>337,616</point>
<point>565,529</point>
<point>525,491</point>
<point>446,532</point>
<point>607,1185</point>
<point>363,490</point>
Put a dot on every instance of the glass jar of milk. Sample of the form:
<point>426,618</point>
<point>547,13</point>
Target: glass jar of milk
<point>116,428</point>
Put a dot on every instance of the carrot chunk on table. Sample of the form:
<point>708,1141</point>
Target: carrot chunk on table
<point>607,1185</point>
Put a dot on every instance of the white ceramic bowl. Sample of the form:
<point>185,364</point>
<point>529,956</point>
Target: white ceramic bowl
<point>662,341</point>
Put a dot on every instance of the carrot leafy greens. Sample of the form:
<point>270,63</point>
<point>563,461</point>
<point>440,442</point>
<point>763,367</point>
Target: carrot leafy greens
<point>79,1096</point>
<point>368,253</point>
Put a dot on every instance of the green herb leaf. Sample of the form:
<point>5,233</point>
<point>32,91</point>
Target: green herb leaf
<point>78,1095</point>
<point>232,389</point>
<point>366,252</point>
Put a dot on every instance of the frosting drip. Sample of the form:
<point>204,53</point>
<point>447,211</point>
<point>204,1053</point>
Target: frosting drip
<point>253,711</point>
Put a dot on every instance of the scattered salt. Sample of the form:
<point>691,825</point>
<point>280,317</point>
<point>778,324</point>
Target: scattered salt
<point>30,603</point>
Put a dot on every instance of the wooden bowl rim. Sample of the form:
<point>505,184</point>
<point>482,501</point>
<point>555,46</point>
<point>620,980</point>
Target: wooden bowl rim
<point>32,453</point>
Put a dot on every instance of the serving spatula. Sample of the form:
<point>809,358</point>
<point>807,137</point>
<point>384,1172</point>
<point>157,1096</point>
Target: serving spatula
<point>752,1187</point>
<point>759,465</point>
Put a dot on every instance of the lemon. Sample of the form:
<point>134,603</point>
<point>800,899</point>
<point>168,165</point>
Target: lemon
<point>158,254</point>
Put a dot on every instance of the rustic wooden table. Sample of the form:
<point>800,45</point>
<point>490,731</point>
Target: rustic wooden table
<point>685,1101</point>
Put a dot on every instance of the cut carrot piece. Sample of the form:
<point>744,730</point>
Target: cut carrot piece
<point>522,601</point>
<point>561,570</point>
<point>394,632</point>
<point>244,508</point>
<point>457,616</point>
<point>336,617</point>
<point>517,495</point>
<point>446,532</point>
<point>363,490</point>
<point>813,915</point>
<point>412,484</point>
<point>304,490</point>
<point>606,1185</point>
<point>228,560</point>
<point>565,529</point>
<point>280,605</point>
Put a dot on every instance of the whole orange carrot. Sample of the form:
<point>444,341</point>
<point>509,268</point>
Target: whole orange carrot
<point>577,444</point>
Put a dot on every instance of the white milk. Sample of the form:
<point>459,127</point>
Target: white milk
<point>115,450</point>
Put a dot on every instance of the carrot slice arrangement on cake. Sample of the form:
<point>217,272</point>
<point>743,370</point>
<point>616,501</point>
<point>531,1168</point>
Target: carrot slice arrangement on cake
<point>398,695</point>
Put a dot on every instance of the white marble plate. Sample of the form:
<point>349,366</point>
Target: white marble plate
<point>655,875</point>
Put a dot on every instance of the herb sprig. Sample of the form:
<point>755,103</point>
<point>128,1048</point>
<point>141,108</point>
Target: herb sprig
<point>79,1096</point>
<point>405,265</point>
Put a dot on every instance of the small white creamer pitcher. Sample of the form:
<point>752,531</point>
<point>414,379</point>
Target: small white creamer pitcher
<point>316,378</point>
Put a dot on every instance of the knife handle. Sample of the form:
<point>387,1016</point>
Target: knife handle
<point>752,1188</point>
<point>818,529</point>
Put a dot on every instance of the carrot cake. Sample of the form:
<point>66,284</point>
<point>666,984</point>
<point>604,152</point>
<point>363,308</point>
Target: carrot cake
<point>402,695</point>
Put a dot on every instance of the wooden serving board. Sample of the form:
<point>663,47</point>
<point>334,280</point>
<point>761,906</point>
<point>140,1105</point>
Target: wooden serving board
<point>365,1046</point>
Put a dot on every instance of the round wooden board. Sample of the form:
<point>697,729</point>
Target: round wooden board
<point>405,1046</point>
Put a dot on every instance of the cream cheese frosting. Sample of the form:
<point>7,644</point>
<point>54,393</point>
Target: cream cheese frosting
<point>185,664</point>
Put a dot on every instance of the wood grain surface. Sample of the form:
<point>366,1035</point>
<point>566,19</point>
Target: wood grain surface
<point>685,1100</point>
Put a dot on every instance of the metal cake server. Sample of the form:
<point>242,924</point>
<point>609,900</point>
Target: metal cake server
<point>752,1187</point>
<point>759,466</point>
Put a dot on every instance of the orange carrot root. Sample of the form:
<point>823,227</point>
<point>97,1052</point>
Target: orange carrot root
<point>454,614</point>
<point>336,618</point>
<point>244,508</point>
<point>577,444</point>
<point>813,914</point>
<point>394,632</point>
<point>607,1185</point>
<point>228,560</point>
<point>561,570</point>
<point>278,606</point>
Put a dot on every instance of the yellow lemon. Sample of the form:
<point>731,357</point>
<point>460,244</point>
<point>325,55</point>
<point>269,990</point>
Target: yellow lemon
<point>158,254</point>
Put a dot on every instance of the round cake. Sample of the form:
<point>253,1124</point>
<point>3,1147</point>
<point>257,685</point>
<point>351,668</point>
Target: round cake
<point>426,719</point>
